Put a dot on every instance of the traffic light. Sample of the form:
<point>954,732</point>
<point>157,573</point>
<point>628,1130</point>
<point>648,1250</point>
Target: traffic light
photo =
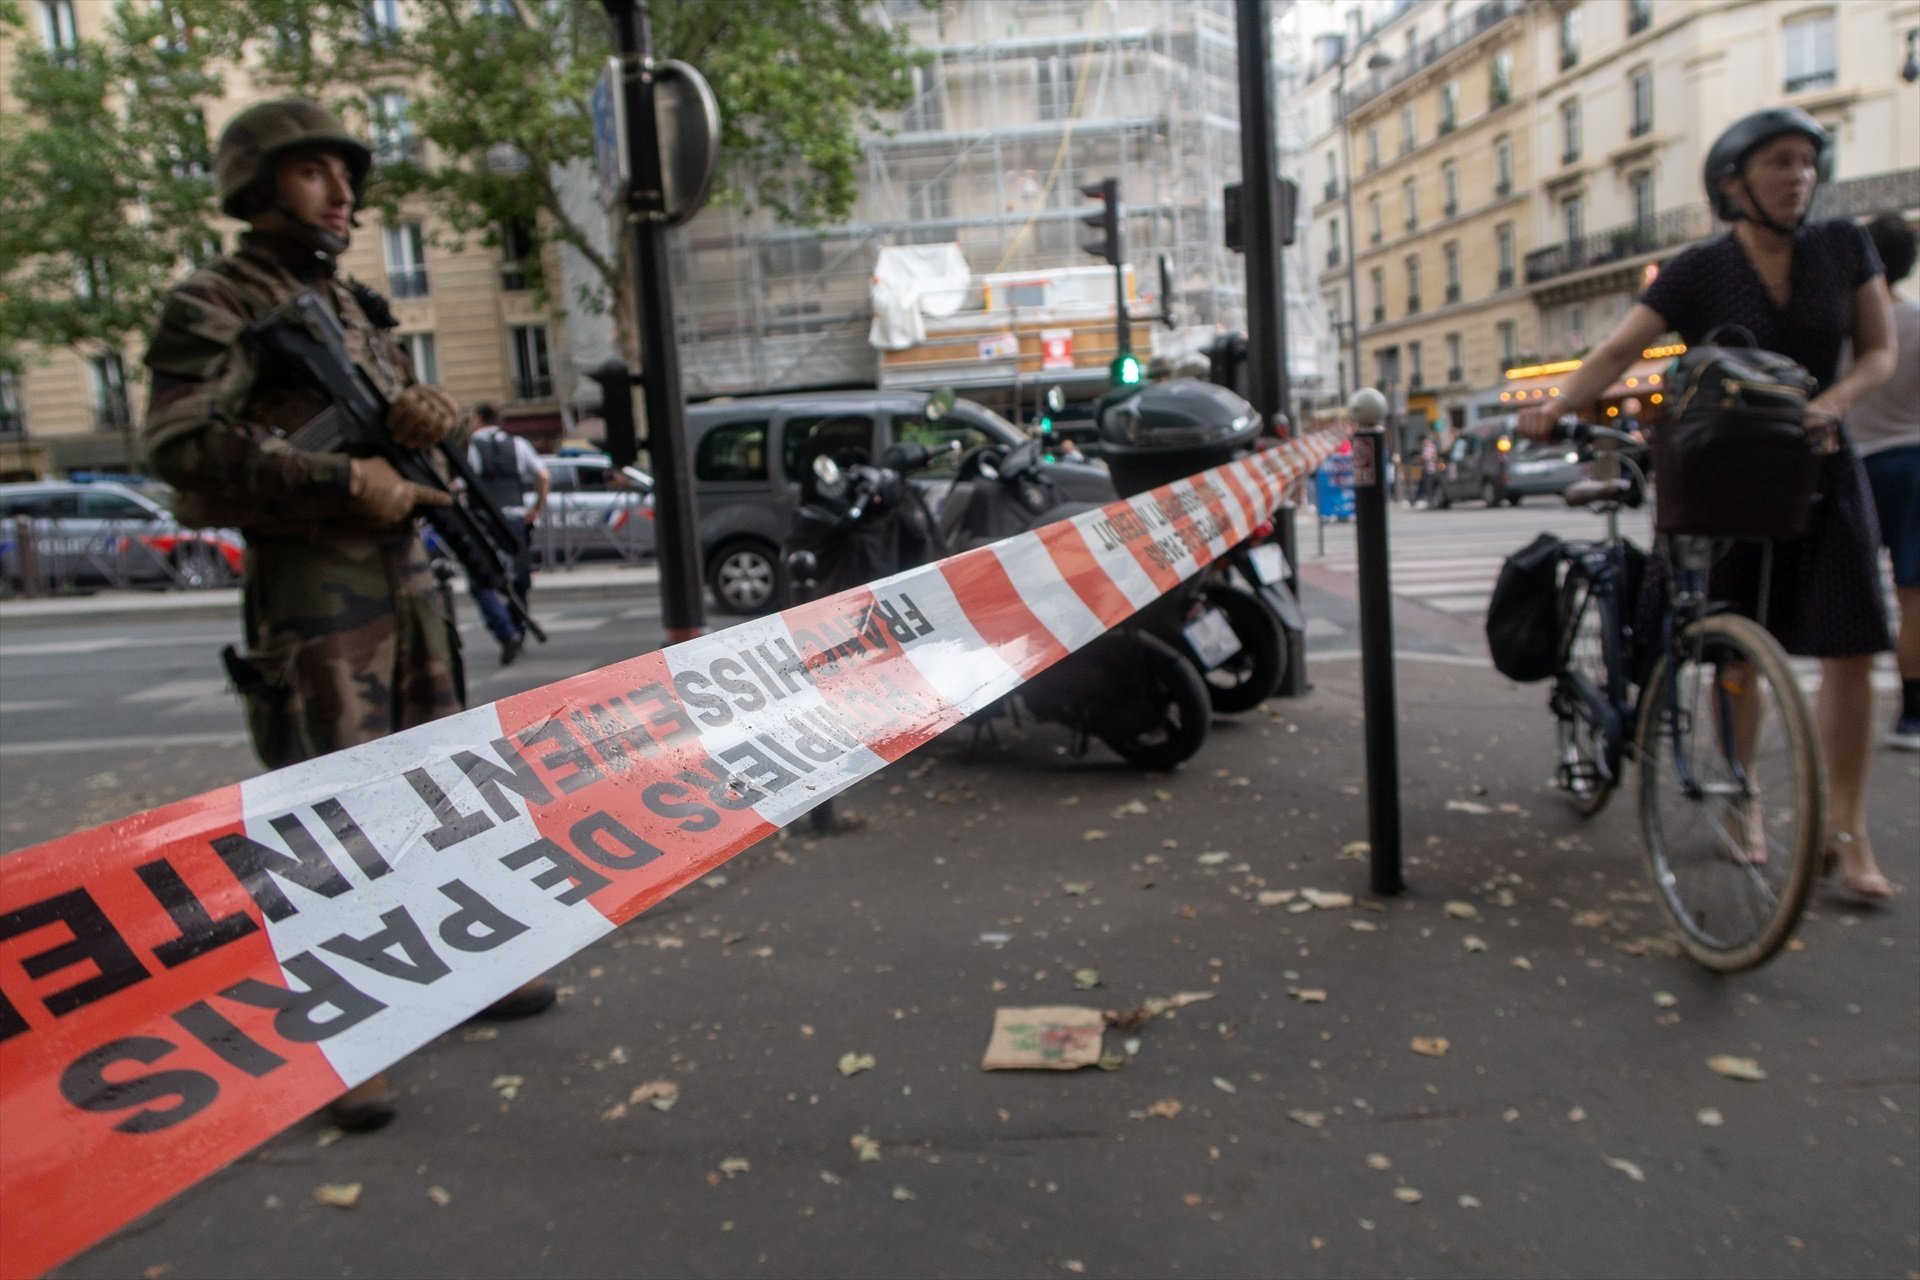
<point>1107,221</point>
<point>1125,370</point>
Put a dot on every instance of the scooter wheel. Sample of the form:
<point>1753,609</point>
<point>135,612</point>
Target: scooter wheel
<point>1250,676</point>
<point>1166,716</point>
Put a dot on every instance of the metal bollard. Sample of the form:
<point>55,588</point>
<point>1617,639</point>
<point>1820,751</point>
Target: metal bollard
<point>1378,702</point>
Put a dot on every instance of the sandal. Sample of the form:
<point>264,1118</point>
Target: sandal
<point>369,1105</point>
<point>1747,832</point>
<point>1868,889</point>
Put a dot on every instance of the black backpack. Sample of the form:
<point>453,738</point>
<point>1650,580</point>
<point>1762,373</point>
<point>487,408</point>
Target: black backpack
<point>1522,629</point>
<point>499,470</point>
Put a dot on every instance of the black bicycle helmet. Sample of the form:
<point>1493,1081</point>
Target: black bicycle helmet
<point>1727,157</point>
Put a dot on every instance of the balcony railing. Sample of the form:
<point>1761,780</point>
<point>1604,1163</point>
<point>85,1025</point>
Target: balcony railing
<point>1333,256</point>
<point>1854,198</point>
<point>407,282</point>
<point>1456,375</point>
<point>1640,129</point>
<point>532,387</point>
<point>1570,156</point>
<point>1639,17</point>
<point>1374,238</point>
<point>1413,223</point>
<point>1413,304</point>
<point>1462,29</point>
<point>1453,293</point>
<point>1379,313</point>
<point>1331,191</point>
<point>1450,208</point>
<point>1813,80</point>
<point>1505,279</point>
<point>1503,188</point>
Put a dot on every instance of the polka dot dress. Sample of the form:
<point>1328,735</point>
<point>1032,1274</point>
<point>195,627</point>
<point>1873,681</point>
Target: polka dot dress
<point>1824,599</point>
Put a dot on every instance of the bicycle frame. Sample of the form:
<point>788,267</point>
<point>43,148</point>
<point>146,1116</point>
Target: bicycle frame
<point>1687,600</point>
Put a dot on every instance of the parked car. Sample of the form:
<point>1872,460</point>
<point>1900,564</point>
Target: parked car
<point>748,454</point>
<point>595,511</point>
<point>111,534</point>
<point>1489,462</point>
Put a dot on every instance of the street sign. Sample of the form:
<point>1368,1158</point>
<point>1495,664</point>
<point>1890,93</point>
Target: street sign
<point>688,122</point>
<point>1056,348</point>
<point>1365,459</point>
<point>610,135</point>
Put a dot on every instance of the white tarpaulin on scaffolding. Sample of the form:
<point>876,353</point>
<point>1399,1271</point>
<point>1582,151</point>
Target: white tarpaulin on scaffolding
<point>911,282</point>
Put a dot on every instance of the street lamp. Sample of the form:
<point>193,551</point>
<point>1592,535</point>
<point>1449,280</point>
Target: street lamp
<point>1379,61</point>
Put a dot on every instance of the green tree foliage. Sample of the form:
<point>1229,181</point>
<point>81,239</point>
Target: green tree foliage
<point>107,189</point>
<point>500,89</point>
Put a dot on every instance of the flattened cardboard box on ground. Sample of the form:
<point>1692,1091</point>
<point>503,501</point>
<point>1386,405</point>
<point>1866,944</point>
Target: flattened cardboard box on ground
<point>1055,1038</point>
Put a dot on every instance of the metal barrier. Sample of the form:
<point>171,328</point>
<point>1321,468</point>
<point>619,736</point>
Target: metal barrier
<point>608,525</point>
<point>40,556</point>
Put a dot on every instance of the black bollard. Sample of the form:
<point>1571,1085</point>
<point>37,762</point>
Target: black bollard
<point>1376,652</point>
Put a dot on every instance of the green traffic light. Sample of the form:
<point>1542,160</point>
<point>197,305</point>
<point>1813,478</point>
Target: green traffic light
<point>1126,370</point>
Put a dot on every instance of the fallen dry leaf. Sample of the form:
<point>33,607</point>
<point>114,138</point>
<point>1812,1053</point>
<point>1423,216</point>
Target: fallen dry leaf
<point>1462,910</point>
<point>736,1164</point>
<point>1665,999</point>
<point>660,1094</point>
<point>1431,1046</point>
<point>1355,850</point>
<point>1327,901</point>
<point>1472,943</point>
<point>1276,897</point>
<point>1710,1117</point>
<point>1590,919</point>
<point>440,1196</point>
<point>1406,1195</point>
<point>1075,888</point>
<point>1378,1161</point>
<point>1166,1108</point>
<point>1311,1119</point>
<point>1363,926</point>
<point>1085,979</point>
<point>337,1195</point>
<point>1469,1202</point>
<point>1468,806</point>
<point>867,1147</point>
<point>1224,1085</point>
<point>1094,834</point>
<point>1308,995</point>
<point>508,1087</point>
<point>852,1064</point>
<point>1627,1167</point>
<point>1521,962</point>
<point>1213,857</point>
<point>1131,807</point>
<point>474,1035</point>
<point>901,1193</point>
<point>1736,1068</point>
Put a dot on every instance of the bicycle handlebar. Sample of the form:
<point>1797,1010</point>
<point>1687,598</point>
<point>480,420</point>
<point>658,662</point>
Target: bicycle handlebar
<point>1579,432</point>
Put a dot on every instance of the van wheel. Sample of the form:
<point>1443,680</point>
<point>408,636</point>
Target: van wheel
<point>744,576</point>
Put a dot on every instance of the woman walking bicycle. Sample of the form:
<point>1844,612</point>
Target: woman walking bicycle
<point>1802,290</point>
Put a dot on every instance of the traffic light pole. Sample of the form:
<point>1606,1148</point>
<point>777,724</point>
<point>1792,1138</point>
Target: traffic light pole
<point>1123,325</point>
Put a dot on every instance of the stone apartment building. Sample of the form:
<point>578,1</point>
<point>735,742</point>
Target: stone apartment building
<point>1578,179</point>
<point>467,316</point>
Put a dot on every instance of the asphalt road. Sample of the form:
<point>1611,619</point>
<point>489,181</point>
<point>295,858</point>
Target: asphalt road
<point>1569,1125</point>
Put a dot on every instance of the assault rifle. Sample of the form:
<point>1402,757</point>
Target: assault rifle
<point>305,338</point>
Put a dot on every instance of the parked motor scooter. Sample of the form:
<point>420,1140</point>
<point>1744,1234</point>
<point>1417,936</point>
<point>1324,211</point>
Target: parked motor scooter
<point>1127,688</point>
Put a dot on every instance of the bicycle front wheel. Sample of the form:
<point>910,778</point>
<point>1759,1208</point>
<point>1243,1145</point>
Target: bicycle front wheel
<point>1587,766</point>
<point>1731,792</point>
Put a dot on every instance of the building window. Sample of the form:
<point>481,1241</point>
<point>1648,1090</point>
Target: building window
<point>1639,16</point>
<point>1509,343</point>
<point>791,255</point>
<point>1408,191</point>
<point>1575,326</point>
<point>1642,102</point>
<point>926,111</point>
<point>1333,177</point>
<point>1449,106</point>
<point>1456,368</point>
<point>1406,129</point>
<point>517,248</point>
<point>532,377</point>
<point>1333,242</point>
<point>1373,147</point>
<point>1503,248</point>
<point>426,360</point>
<point>1573,213</point>
<point>57,28</point>
<point>406,260</point>
<point>1373,219</point>
<point>1809,44</point>
<point>107,381</point>
<point>1413,286</point>
<point>929,202</point>
<point>392,131</point>
<point>1642,188</point>
<point>13,420</point>
<point>1416,374</point>
<point>1452,252</point>
<point>1450,184</point>
<point>1055,81</point>
<point>1502,167</point>
<point>1378,277</point>
<point>380,19</point>
<point>1569,37</point>
<point>1500,79</point>
<point>1570,131</point>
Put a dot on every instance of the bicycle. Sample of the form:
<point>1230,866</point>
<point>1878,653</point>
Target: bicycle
<point>1731,781</point>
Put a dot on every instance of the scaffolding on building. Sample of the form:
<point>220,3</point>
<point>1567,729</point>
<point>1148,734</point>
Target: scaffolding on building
<point>1024,103</point>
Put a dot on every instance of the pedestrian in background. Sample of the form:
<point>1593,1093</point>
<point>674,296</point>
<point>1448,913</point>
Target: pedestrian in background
<point>345,639</point>
<point>1802,290</point>
<point>507,466</point>
<point>1429,472</point>
<point>1886,430</point>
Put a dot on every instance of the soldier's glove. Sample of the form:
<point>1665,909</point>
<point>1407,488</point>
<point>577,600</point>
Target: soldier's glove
<point>380,496</point>
<point>421,417</point>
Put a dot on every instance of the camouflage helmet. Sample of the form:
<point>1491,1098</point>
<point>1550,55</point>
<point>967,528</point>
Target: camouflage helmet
<point>253,139</point>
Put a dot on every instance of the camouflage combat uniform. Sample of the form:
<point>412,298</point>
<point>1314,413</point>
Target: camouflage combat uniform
<point>347,639</point>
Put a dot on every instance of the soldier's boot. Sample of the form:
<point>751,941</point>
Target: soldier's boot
<point>367,1106</point>
<point>522,1002</point>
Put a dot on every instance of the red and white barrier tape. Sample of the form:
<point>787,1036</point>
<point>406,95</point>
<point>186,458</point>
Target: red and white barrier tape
<point>177,987</point>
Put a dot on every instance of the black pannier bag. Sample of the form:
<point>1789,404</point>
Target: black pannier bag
<point>1522,629</point>
<point>1732,454</point>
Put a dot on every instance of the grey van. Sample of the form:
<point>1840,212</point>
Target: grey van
<point>748,453</point>
<point>1489,462</point>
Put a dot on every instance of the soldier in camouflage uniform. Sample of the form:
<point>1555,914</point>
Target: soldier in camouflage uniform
<point>346,639</point>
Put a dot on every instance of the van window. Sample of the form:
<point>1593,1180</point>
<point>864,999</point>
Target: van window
<point>43,505</point>
<point>98,505</point>
<point>936,435</point>
<point>733,451</point>
<point>834,433</point>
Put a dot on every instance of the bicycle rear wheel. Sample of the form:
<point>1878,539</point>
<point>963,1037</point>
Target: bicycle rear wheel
<point>1588,771</point>
<point>1731,792</point>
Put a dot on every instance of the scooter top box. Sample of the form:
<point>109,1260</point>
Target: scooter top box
<point>1168,430</point>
